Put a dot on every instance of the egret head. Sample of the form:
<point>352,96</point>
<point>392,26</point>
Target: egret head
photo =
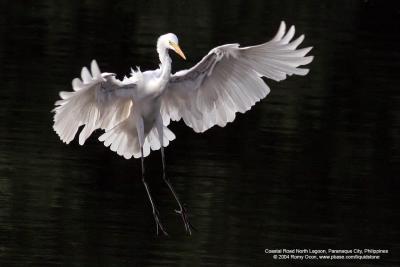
<point>170,41</point>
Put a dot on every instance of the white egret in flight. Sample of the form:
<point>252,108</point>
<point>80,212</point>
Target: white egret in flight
<point>135,112</point>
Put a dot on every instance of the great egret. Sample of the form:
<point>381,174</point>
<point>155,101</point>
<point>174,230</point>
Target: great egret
<point>136,111</point>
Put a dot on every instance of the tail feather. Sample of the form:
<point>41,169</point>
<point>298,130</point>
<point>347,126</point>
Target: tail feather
<point>123,139</point>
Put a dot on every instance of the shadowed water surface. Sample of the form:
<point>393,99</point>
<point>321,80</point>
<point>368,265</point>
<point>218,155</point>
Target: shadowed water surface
<point>315,165</point>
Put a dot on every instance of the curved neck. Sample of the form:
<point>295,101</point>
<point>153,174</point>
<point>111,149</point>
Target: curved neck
<point>165,65</point>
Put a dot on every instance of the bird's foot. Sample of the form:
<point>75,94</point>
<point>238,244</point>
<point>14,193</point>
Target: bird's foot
<point>159,226</point>
<point>184,215</point>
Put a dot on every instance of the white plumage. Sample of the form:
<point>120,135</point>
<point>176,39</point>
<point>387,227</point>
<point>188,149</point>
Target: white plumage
<point>135,112</point>
<point>224,82</point>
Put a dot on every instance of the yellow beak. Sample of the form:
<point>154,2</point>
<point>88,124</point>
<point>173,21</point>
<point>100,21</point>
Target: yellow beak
<point>178,50</point>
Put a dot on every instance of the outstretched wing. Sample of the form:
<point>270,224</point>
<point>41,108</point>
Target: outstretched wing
<point>228,80</point>
<point>99,100</point>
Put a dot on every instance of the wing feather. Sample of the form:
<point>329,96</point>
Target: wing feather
<point>98,101</point>
<point>228,80</point>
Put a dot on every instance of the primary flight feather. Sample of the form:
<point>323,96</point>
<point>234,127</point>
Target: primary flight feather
<point>135,112</point>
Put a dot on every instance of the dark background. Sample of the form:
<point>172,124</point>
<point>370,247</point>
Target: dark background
<point>314,165</point>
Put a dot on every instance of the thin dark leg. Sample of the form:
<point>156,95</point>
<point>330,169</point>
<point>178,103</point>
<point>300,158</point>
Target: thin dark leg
<point>182,210</point>
<point>155,211</point>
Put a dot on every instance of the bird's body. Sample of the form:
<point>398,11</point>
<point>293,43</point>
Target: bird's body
<point>136,111</point>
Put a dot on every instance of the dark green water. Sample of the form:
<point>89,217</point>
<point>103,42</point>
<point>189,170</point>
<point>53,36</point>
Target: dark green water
<point>315,165</point>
